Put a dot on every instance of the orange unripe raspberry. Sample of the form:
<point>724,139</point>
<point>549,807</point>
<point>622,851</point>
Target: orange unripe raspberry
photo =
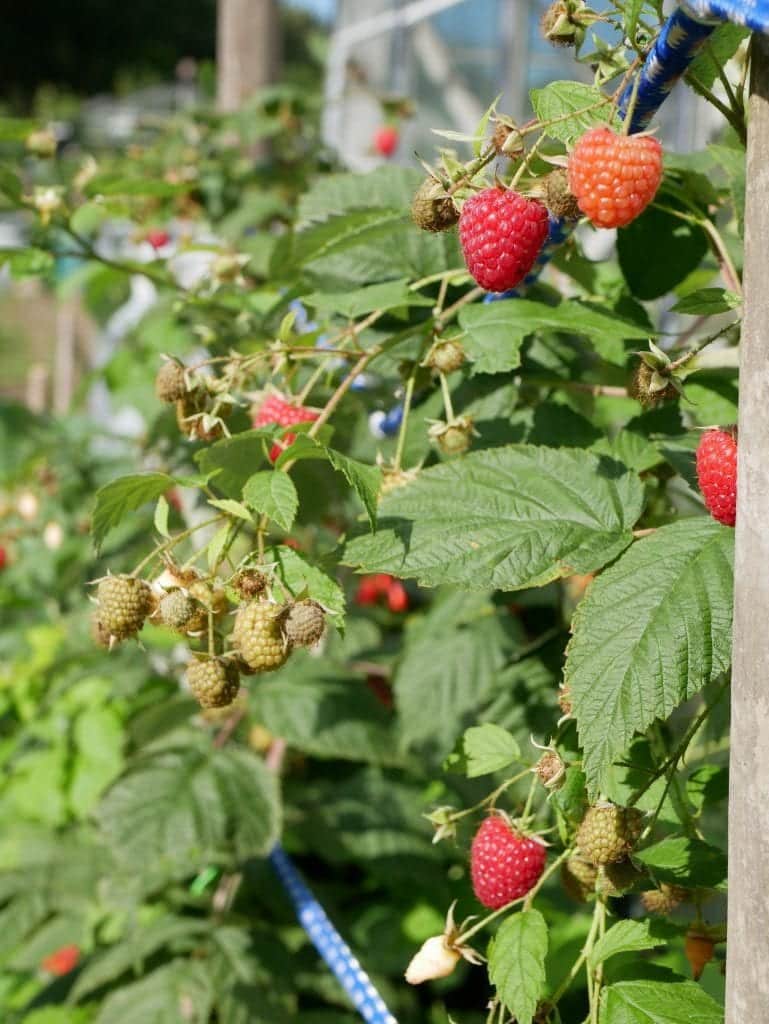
<point>614,177</point>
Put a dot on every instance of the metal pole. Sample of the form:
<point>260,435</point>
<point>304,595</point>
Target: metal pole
<point>747,977</point>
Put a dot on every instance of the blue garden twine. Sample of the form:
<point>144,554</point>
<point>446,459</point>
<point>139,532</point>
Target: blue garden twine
<point>329,943</point>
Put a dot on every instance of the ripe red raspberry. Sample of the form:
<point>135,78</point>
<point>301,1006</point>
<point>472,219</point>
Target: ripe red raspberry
<point>3,557</point>
<point>501,234</point>
<point>372,589</point>
<point>62,961</point>
<point>717,474</point>
<point>614,177</point>
<point>504,864</point>
<point>276,410</point>
<point>397,598</point>
<point>158,238</point>
<point>386,140</point>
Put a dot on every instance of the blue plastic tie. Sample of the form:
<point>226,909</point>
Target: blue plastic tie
<point>329,943</point>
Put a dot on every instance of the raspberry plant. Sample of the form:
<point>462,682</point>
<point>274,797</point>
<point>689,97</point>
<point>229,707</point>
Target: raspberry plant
<point>428,564</point>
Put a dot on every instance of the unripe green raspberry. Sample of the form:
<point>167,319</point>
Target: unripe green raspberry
<point>616,879</point>
<point>250,583</point>
<point>432,209</point>
<point>453,438</point>
<point>665,899</point>
<point>558,197</point>
<point>578,878</point>
<point>304,623</point>
<point>258,637</point>
<point>179,611</point>
<point>213,682</point>
<point>170,385</point>
<point>650,387</point>
<point>446,356</point>
<point>123,603</point>
<point>608,833</point>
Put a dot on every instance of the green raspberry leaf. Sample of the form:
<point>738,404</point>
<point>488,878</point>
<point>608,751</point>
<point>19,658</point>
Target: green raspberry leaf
<point>655,1002</point>
<point>320,712</point>
<point>230,462</point>
<point>508,518</point>
<point>126,494</point>
<point>175,810</point>
<point>389,295</point>
<point>585,103</point>
<point>687,861</point>
<point>299,576</point>
<point>274,494</point>
<point>707,302</point>
<point>496,330</point>
<point>489,748</point>
<point>652,631</point>
<point>517,962</point>
<point>624,937</point>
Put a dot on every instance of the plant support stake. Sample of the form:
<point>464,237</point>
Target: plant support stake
<point>747,977</point>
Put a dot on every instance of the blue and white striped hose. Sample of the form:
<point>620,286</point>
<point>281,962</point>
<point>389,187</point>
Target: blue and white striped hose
<point>330,944</point>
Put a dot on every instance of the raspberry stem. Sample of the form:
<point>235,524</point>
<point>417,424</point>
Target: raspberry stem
<point>173,541</point>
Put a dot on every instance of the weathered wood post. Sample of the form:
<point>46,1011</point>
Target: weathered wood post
<point>747,975</point>
<point>247,49</point>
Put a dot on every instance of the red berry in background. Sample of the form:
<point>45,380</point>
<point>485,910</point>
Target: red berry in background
<point>614,177</point>
<point>3,557</point>
<point>397,598</point>
<point>173,498</point>
<point>717,474</point>
<point>372,588</point>
<point>501,233</point>
<point>158,238</point>
<point>504,864</point>
<point>367,592</point>
<point>381,690</point>
<point>276,410</point>
<point>62,961</point>
<point>386,140</point>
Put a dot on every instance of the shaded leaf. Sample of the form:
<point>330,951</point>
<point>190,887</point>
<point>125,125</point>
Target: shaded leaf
<point>685,860</point>
<point>176,809</point>
<point>496,330</point>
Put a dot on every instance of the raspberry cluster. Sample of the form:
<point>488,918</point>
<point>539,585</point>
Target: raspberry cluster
<point>381,588</point>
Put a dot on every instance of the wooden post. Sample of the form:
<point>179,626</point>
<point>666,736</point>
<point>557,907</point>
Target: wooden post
<point>747,975</point>
<point>247,49</point>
